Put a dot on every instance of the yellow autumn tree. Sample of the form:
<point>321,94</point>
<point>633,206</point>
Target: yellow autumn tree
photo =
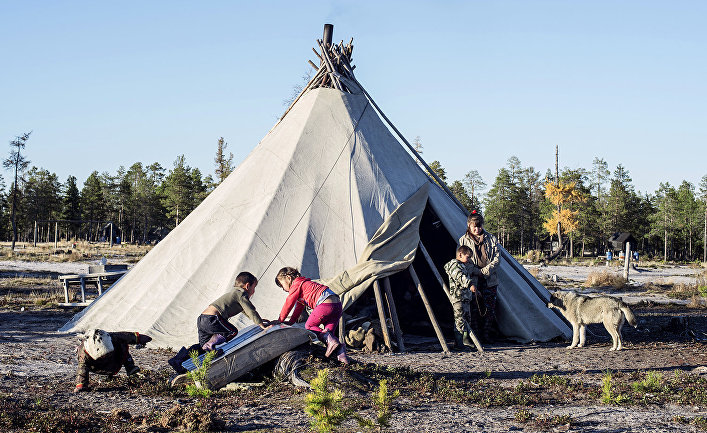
<point>562,195</point>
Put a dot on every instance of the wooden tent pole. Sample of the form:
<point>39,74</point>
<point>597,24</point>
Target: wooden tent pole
<point>342,331</point>
<point>381,315</point>
<point>428,258</point>
<point>394,314</point>
<point>476,341</point>
<point>428,307</point>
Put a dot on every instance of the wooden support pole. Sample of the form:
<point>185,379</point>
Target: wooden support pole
<point>394,314</point>
<point>428,307</point>
<point>427,256</point>
<point>342,330</point>
<point>627,259</point>
<point>381,315</point>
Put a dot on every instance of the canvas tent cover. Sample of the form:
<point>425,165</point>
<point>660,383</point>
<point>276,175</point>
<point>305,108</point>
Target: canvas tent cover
<point>328,190</point>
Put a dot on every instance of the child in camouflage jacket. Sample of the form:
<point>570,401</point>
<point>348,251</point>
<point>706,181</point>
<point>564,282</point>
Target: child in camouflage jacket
<point>462,286</point>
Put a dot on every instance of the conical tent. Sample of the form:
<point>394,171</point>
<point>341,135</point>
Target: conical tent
<point>329,190</point>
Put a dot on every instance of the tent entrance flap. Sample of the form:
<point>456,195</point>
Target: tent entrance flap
<point>412,314</point>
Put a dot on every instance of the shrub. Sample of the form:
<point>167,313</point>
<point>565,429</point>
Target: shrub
<point>383,403</point>
<point>605,279</point>
<point>324,406</point>
<point>198,375</point>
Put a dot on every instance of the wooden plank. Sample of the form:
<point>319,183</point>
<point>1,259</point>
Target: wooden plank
<point>381,315</point>
<point>428,307</point>
<point>431,263</point>
<point>394,314</point>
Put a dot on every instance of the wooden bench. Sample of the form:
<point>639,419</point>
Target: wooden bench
<point>100,278</point>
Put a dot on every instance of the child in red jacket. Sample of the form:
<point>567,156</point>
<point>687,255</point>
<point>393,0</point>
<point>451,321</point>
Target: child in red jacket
<point>325,304</point>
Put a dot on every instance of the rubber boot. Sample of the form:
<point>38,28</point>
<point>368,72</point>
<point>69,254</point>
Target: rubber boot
<point>332,343</point>
<point>467,341</point>
<point>341,355</point>
<point>459,342</point>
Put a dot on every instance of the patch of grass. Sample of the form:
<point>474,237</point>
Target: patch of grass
<point>543,421</point>
<point>697,421</point>
<point>523,415</point>
<point>650,384</point>
<point>605,279</point>
<point>608,394</point>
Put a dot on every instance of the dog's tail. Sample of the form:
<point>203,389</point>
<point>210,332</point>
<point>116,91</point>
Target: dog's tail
<point>630,318</point>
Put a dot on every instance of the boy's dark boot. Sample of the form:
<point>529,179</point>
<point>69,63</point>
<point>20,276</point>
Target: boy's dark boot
<point>130,367</point>
<point>467,341</point>
<point>459,342</point>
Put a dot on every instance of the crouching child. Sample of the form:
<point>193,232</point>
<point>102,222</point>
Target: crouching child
<point>105,353</point>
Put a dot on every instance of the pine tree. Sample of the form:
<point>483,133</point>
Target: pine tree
<point>662,222</point>
<point>437,168</point>
<point>703,196</point>
<point>224,165</point>
<point>19,163</point>
<point>474,184</point>
<point>92,206</point>
<point>460,192</point>
<point>178,190</point>
<point>71,206</point>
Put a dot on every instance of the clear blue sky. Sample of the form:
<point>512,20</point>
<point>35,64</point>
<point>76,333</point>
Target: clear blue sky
<point>104,84</point>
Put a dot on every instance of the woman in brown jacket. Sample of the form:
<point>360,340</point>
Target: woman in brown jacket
<point>485,256</point>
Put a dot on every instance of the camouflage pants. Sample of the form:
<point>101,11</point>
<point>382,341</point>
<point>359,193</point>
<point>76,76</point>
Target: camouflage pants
<point>462,315</point>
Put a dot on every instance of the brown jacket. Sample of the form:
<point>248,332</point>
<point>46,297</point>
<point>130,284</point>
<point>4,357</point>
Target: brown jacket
<point>489,246</point>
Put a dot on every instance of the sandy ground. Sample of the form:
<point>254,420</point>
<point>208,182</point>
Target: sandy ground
<point>35,360</point>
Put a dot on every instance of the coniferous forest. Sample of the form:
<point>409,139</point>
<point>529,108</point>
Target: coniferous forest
<point>142,203</point>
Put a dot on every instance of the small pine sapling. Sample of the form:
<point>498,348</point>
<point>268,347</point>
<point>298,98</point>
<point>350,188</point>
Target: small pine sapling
<point>324,406</point>
<point>198,375</point>
<point>383,403</point>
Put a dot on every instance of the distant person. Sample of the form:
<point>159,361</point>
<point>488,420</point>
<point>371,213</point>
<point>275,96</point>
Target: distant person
<point>485,256</point>
<point>214,319</point>
<point>325,304</point>
<point>462,288</point>
<point>105,353</point>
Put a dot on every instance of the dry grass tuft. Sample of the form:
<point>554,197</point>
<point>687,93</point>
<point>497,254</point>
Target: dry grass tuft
<point>605,279</point>
<point>534,272</point>
<point>534,256</point>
